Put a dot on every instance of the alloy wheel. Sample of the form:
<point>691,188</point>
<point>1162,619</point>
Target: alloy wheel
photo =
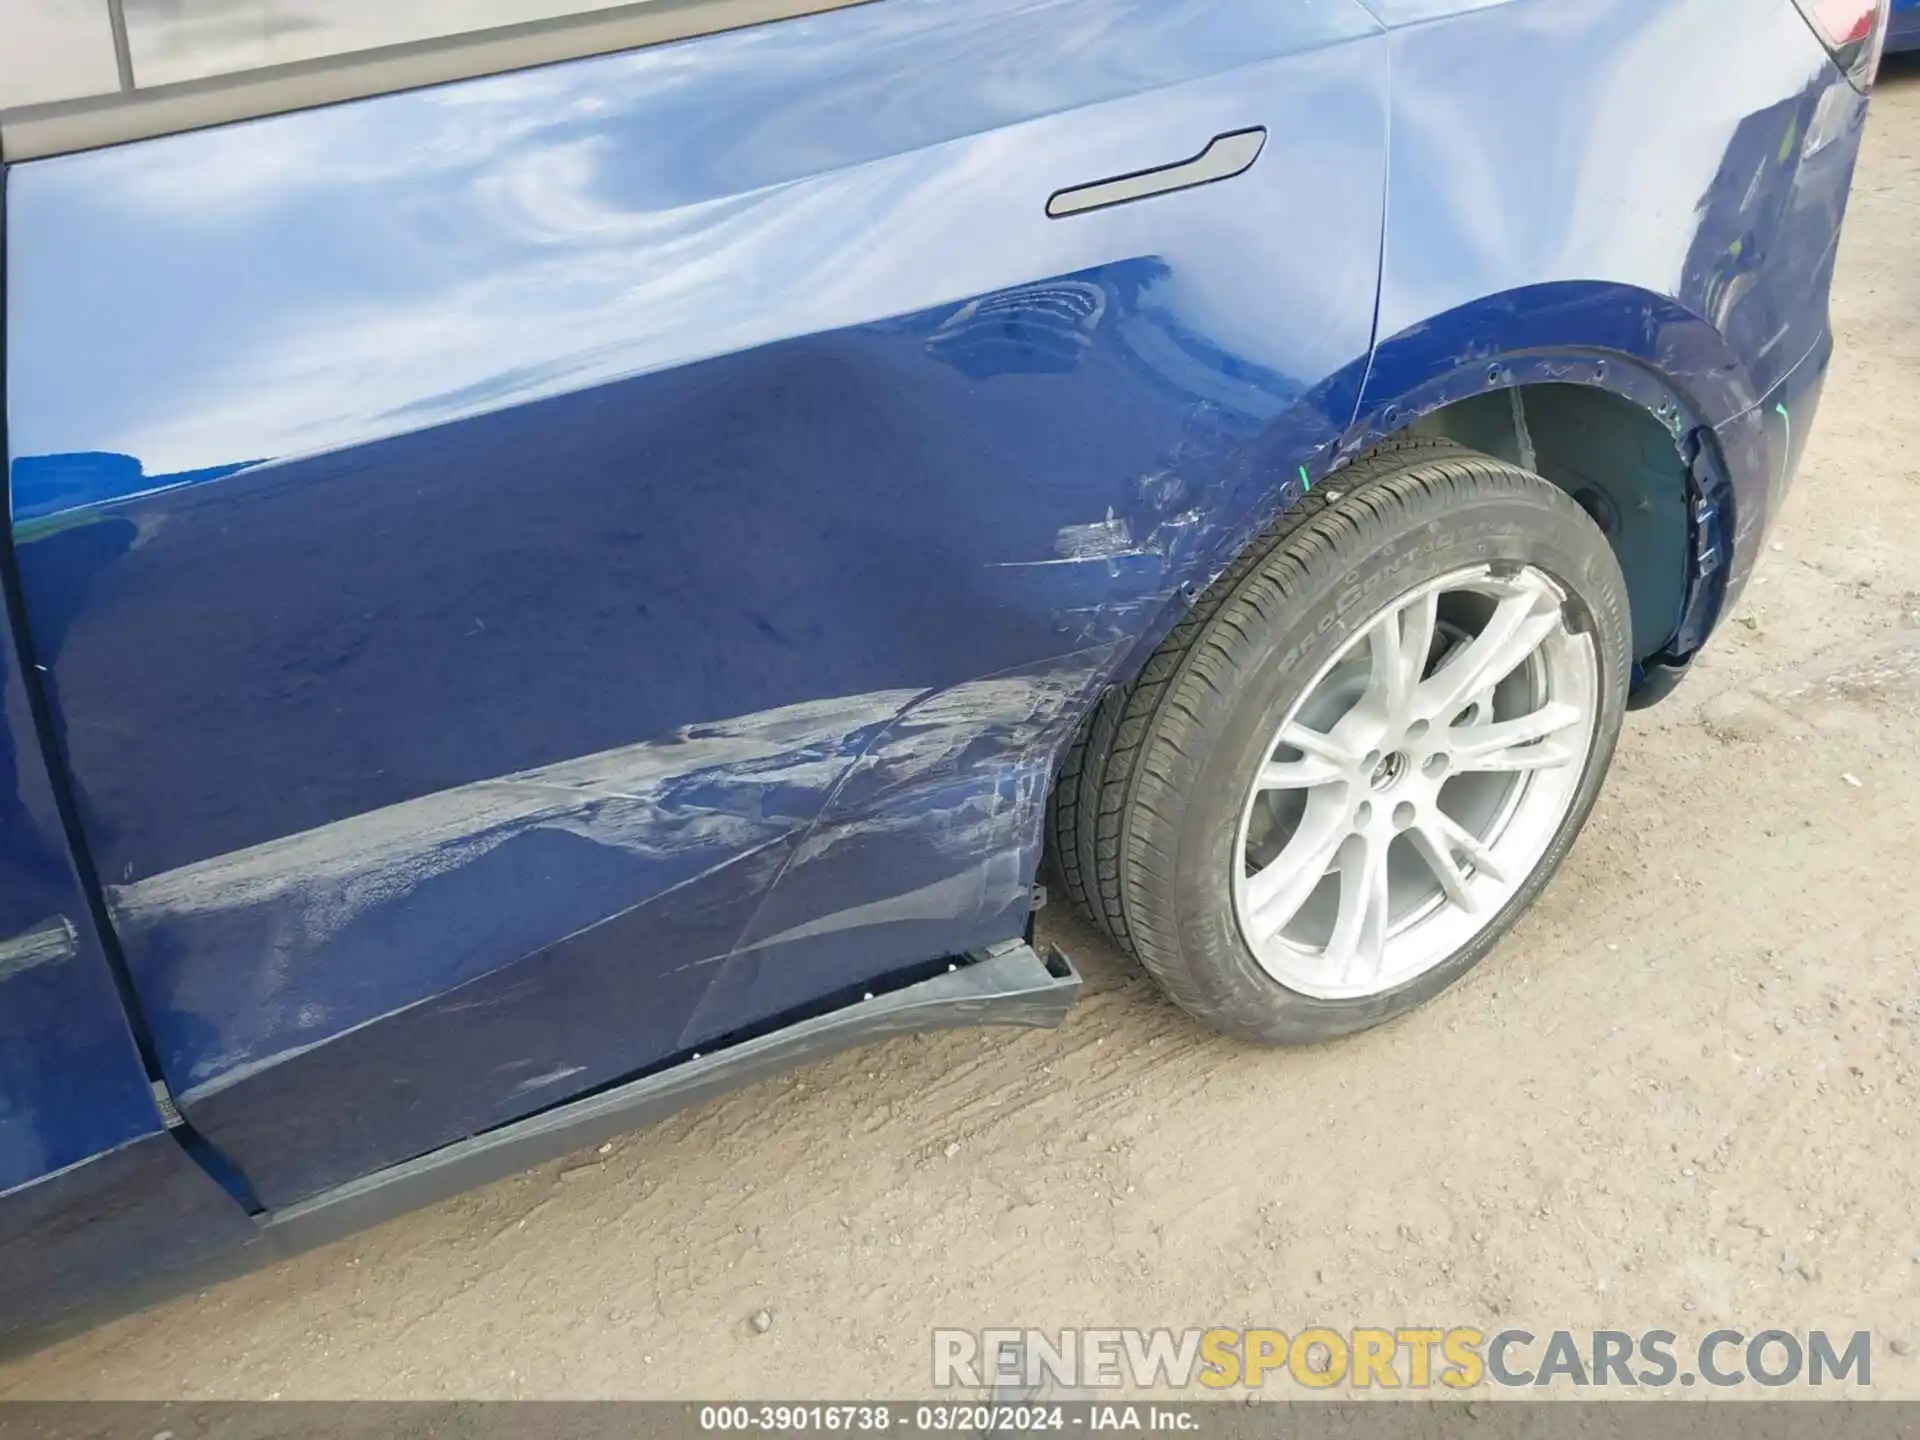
<point>1416,784</point>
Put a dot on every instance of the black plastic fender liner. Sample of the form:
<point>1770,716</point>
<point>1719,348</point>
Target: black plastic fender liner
<point>1654,680</point>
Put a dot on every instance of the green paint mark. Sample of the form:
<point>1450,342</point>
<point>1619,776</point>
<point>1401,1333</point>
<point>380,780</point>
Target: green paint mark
<point>1305,484</point>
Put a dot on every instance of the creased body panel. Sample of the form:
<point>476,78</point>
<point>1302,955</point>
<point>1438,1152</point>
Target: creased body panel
<point>71,1081</point>
<point>1591,181</point>
<point>542,573</point>
<point>1556,141</point>
<point>93,1189</point>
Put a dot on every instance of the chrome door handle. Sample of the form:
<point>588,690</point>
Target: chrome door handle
<point>1225,157</point>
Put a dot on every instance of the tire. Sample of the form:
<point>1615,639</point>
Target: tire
<point>1156,818</point>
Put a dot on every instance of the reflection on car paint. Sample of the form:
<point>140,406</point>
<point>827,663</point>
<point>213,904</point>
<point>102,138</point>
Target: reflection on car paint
<point>668,950</point>
<point>541,575</point>
<point>567,418</point>
<point>71,1085</point>
<point>568,243</point>
<point>660,814</point>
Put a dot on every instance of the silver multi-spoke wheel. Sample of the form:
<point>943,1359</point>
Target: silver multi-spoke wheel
<point>1414,787</point>
<point>1361,756</point>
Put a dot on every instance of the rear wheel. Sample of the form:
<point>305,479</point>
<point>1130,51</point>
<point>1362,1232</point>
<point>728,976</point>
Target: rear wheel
<point>1359,759</point>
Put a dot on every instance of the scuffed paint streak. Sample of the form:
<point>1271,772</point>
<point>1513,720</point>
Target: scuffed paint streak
<point>950,789</point>
<point>705,793</point>
<point>236,1070</point>
<point>46,944</point>
<point>964,736</point>
<point>1522,433</point>
<point>361,859</point>
<point>956,894</point>
<point>1097,541</point>
<point>551,1077</point>
<point>953,795</point>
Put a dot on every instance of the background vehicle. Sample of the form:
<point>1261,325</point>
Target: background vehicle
<point>1903,26</point>
<point>591,566</point>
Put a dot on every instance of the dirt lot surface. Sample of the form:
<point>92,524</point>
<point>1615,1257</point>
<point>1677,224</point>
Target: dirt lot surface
<point>1684,1094</point>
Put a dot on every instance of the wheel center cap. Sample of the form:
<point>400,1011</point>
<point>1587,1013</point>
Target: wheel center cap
<point>1388,772</point>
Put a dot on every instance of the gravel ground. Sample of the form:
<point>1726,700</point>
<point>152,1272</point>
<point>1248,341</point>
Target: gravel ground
<point>1683,1094</point>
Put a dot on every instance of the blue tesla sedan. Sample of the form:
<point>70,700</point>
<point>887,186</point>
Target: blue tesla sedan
<point>562,556</point>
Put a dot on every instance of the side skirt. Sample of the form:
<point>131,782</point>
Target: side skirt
<point>1009,984</point>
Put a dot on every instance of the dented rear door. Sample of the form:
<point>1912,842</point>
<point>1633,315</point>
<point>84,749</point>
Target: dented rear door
<point>543,573</point>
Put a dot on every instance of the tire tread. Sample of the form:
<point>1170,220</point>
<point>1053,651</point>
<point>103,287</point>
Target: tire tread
<point>1124,768</point>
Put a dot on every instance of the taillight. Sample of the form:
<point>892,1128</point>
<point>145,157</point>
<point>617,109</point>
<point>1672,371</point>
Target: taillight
<point>1853,30</point>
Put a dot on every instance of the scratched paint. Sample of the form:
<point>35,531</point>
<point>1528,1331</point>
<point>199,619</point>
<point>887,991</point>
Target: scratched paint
<point>585,407</point>
<point>48,943</point>
<point>927,843</point>
<point>655,815</point>
<point>1098,541</point>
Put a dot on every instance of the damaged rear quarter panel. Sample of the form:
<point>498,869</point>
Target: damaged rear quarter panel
<point>540,573</point>
<point>1644,195</point>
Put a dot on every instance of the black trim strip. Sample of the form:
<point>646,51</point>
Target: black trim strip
<point>29,132</point>
<point>1013,986</point>
<point>1010,984</point>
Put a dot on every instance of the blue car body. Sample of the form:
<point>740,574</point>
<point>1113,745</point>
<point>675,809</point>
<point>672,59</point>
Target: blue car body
<point>523,585</point>
<point>1903,26</point>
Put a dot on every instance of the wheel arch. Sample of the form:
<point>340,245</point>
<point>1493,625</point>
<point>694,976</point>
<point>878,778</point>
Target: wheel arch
<point>1611,392</point>
<point>1621,391</point>
<point>1627,470</point>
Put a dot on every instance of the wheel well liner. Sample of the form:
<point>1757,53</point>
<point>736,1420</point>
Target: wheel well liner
<point>1624,393</point>
<point>1623,466</point>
